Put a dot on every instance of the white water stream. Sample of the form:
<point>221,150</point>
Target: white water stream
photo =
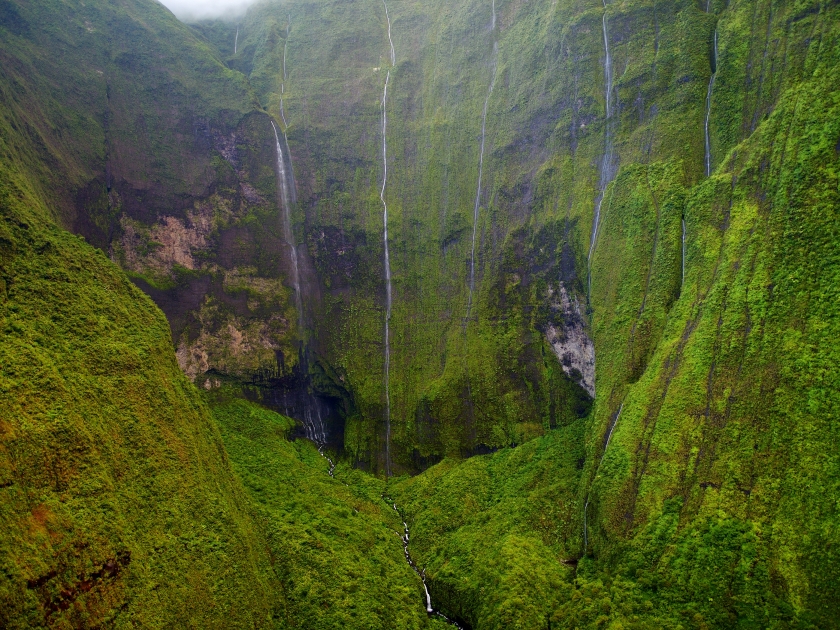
<point>421,573</point>
<point>236,40</point>
<point>607,169</point>
<point>481,167</point>
<point>612,428</point>
<point>390,41</point>
<point>387,253</point>
<point>585,530</point>
<point>285,44</point>
<point>613,424</point>
<point>682,281</point>
<point>287,198</point>
<point>709,107</point>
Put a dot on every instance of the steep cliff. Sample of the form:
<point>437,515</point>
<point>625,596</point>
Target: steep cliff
<point>592,241</point>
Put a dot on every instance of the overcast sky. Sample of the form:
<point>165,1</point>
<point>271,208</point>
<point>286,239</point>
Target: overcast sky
<point>199,9</point>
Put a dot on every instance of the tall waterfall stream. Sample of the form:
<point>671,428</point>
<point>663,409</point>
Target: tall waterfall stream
<point>481,166</point>
<point>607,167</point>
<point>387,253</point>
<point>709,106</point>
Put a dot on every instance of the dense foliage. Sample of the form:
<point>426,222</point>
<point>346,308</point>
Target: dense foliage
<point>698,489</point>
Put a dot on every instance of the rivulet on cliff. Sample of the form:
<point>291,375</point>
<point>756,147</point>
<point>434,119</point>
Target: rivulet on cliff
<point>400,314</point>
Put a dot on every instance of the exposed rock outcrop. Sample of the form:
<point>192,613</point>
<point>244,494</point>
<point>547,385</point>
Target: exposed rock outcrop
<point>571,342</point>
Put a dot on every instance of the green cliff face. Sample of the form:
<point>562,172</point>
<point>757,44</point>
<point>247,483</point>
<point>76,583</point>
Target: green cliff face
<point>612,237</point>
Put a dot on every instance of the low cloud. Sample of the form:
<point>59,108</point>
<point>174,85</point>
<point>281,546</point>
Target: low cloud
<point>189,10</point>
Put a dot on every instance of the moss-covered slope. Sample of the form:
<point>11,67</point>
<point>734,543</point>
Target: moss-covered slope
<point>117,502</point>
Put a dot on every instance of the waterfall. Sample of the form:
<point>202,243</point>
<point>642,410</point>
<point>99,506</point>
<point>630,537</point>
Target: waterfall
<point>236,40</point>
<point>709,106</point>
<point>421,573</point>
<point>585,531</point>
<point>612,428</point>
<point>481,170</point>
<point>613,424</point>
<point>390,41</point>
<point>314,427</point>
<point>607,167</point>
<point>283,82</point>
<point>285,44</point>
<point>288,197</point>
<point>682,281</point>
<point>387,254</point>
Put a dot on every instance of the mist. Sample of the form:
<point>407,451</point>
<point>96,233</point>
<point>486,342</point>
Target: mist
<point>189,10</point>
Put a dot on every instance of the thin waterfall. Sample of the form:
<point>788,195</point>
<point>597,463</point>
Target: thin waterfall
<point>387,253</point>
<point>613,424</point>
<point>236,40</point>
<point>481,170</point>
<point>285,44</point>
<point>287,198</point>
<point>314,426</point>
<point>682,281</point>
<point>607,167</point>
<point>709,106</point>
<point>612,428</point>
<point>421,573</point>
<point>283,83</point>
<point>585,530</point>
<point>390,41</point>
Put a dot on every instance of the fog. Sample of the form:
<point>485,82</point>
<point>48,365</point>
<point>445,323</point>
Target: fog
<point>202,9</point>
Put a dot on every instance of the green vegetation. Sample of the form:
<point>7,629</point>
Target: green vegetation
<point>117,501</point>
<point>334,540</point>
<point>697,490</point>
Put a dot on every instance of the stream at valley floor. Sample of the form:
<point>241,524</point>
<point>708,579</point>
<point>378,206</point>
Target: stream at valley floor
<point>421,573</point>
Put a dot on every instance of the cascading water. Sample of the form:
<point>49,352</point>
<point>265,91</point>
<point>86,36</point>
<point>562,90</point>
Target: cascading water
<point>387,253</point>
<point>285,44</point>
<point>607,167</point>
<point>585,529</point>
<point>420,572</point>
<point>390,41</point>
<point>612,428</point>
<point>682,281</point>
<point>709,106</point>
<point>481,169</point>
<point>287,198</point>
<point>236,40</point>
<point>314,427</point>
<point>613,424</point>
